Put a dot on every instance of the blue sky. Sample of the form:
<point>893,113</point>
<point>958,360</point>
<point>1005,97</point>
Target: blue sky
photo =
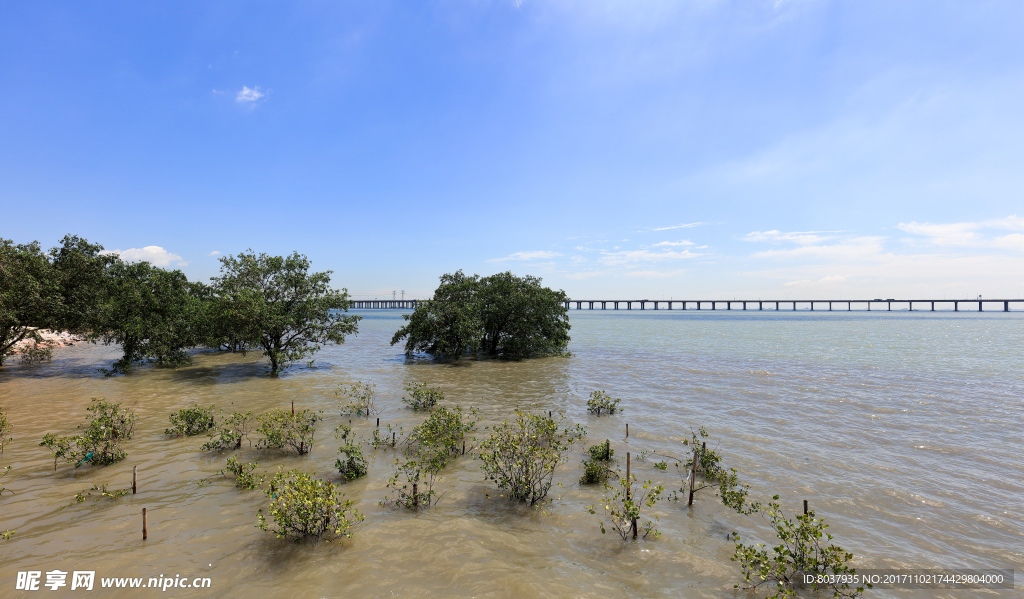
<point>616,149</point>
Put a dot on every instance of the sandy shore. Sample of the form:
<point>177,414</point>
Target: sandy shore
<point>51,339</point>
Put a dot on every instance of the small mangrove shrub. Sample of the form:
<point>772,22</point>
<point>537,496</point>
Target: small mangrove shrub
<point>597,464</point>
<point>231,432</point>
<point>602,402</point>
<point>804,548</point>
<point>412,485</point>
<point>389,438</point>
<point>304,507</point>
<point>350,463</point>
<point>521,456</point>
<point>711,474</point>
<point>3,474</point>
<point>5,431</point>
<point>360,398</point>
<point>422,397</point>
<point>624,506</point>
<point>107,428</point>
<point>35,353</point>
<point>190,421</point>
<point>430,447</point>
<point>281,429</point>
<point>243,473</point>
<point>102,493</point>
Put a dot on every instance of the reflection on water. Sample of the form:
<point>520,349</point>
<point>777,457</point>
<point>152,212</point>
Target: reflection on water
<point>902,430</point>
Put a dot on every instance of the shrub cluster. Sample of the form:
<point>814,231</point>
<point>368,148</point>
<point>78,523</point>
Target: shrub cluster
<point>106,430</point>
<point>304,507</point>
<point>190,421</point>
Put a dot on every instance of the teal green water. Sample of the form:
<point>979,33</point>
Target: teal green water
<point>902,430</point>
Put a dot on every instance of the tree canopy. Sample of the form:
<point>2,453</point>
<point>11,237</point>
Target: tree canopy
<point>502,315</point>
<point>275,303</point>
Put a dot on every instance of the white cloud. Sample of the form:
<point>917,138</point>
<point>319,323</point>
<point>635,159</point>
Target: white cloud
<point>799,237</point>
<point>535,255</point>
<point>631,256</point>
<point>969,234</point>
<point>673,243</point>
<point>214,253</point>
<point>154,254</point>
<point>249,94</point>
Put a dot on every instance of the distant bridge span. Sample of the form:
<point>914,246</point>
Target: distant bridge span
<point>824,305</point>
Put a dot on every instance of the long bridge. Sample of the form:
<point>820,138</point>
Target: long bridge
<point>824,305</point>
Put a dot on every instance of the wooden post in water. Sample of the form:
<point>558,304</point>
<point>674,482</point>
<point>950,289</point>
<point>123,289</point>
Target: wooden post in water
<point>805,507</point>
<point>393,439</point>
<point>549,413</point>
<point>378,423</point>
<point>607,449</point>
<point>628,483</point>
<point>627,430</point>
<point>463,447</point>
<point>145,530</point>
<point>135,479</point>
<point>693,475</point>
<point>293,407</point>
<point>415,495</point>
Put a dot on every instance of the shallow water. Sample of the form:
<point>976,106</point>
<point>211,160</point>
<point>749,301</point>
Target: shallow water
<point>902,430</point>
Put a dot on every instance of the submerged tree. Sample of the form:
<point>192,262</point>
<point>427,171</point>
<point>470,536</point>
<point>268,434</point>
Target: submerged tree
<point>152,313</point>
<point>276,304</point>
<point>502,315</point>
<point>27,294</point>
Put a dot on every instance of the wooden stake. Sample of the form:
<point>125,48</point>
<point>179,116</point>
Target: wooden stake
<point>629,489</point>
<point>378,423</point>
<point>135,479</point>
<point>392,438</point>
<point>805,507</point>
<point>415,496</point>
<point>293,407</point>
<point>693,474</point>
<point>549,413</point>
<point>629,483</point>
<point>607,449</point>
<point>145,529</point>
<point>627,430</point>
<point>463,447</point>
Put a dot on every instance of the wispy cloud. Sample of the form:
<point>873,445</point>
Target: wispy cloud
<point>799,237</point>
<point>822,282</point>
<point>154,254</point>
<point>970,234</point>
<point>655,274</point>
<point>535,255</point>
<point>249,94</point>
<point>856,248</point>
<point>634,256</point>
<point>670,227</point>
<point>214,253</point>
<point>673,243</point>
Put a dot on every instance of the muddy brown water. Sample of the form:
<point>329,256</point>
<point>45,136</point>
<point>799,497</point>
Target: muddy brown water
<point>903,431</point>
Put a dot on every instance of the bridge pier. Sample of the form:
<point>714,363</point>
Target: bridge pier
<point>933,306</point>
<point>979,306</point>
<point>1006,306</point>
